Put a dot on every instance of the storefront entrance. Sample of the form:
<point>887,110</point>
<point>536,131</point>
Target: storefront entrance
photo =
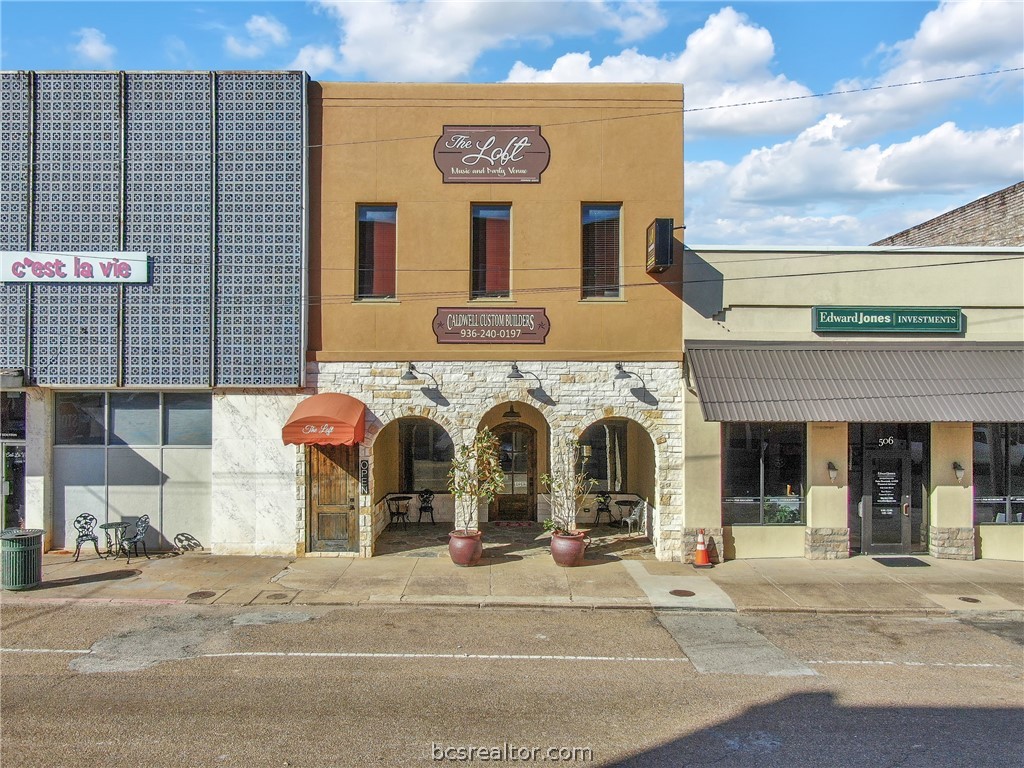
<point>892,460</point>
<point>518,499</point>
<point>333,498</point>
<point>12,459</point>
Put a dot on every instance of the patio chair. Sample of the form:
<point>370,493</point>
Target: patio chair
<point>636,517</point>
<point>398,509</point>
<point>426,505</point>
<point>604,505</point>
<point>85,524</point>
<point>128,543</point>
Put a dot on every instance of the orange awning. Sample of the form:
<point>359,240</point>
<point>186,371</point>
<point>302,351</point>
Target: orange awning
<point>326,419</point>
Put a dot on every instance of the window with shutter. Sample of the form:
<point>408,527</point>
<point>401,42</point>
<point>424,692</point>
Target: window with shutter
<point>491,248</point>
<point>376,268</point>
<point>601,251</point>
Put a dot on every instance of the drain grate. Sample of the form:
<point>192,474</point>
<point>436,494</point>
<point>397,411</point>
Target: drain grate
<point>969,599</point>
<point>202,595</point>
<point>682,593</point>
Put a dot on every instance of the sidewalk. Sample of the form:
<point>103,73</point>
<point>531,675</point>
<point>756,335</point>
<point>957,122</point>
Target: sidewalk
<point>858,585</point>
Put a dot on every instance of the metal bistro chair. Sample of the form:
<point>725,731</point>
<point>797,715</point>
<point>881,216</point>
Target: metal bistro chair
<point>128,543</point>
<point>604,506</point>
<point>85,524</point>
<point>636,517</point>
<point>398,509</point>
<point>426,505</point>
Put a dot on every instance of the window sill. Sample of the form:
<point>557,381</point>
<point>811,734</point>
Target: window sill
<point>373,300</point>
<point>492,300</point>
<point>604,300</point>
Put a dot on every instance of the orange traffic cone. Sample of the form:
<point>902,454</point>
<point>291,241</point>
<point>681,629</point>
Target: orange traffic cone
<point>701,559</point>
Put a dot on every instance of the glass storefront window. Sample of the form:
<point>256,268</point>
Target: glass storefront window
<point>80,418</point>
<point>426,453</point>
<point>603,455</point>
<point>999,473</point>
<point>763,474</point>
<point>135,419</point>
<point>12,415</point>
<point>188,419</point>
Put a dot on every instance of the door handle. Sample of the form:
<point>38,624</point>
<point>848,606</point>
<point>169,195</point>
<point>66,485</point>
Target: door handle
<point>906,510</point>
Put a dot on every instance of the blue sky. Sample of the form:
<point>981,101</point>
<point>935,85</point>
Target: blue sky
<point>835,170</point>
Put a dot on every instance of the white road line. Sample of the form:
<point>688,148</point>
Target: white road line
<point>43,650</point>
<point>459,656</point>
<point>917,664</point>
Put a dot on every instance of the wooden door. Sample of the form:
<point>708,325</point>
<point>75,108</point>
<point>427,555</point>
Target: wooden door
<point>518,499</point>
<point>333,498</point>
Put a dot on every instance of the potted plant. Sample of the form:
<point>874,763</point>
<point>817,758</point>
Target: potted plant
<point>567,491</point>
<point>475,475</point>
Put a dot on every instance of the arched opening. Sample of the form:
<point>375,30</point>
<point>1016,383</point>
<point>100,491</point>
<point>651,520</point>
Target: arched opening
<point>522,434</point>
<point>618,455</point>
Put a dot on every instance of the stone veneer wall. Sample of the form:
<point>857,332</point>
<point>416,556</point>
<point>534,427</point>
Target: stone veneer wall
<point>951,543</point>
<point>684,544</point>
<point>577,395</point>
<point>826,543</point>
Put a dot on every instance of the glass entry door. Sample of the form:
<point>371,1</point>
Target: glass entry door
<point>517,500</point>
<point>12,483</point>
<point>886,503</point>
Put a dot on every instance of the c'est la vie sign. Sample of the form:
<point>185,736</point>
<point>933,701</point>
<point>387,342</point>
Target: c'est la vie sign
<point>74,267</point>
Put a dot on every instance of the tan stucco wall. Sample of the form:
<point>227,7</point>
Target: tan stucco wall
<point>373,143</point>
<point>751,541</point>
<point>1001,542</point>
<point>952,502</point>
<point>702,467</point>
<point>769,292</point>
<point>826,500</point>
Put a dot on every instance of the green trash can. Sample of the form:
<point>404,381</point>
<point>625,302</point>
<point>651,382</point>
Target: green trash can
<point>21,557</point>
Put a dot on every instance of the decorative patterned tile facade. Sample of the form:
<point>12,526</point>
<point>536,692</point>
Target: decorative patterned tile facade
<point>76,183</point>
<point>172,331</point>
<point>14,159</point>
<point>169,185</point>
<point>259,229</point>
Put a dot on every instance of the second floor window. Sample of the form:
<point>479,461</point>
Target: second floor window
<point>601,251</point>
<point>491,250</point>
<point>376,267</point>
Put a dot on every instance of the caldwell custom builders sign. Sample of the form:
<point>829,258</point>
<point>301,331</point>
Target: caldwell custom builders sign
<point>465,325</point>
<point>887,319</point>
<point>493,154</point>
<point>73,267</point>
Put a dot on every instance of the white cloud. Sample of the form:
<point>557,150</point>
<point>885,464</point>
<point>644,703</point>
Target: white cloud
<point>316,59</point>
<point>92,47</point>
<point>265,32</point>
<point>443,39</point>
<point>725,62</point>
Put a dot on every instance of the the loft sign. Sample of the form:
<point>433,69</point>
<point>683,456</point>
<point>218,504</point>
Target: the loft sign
<point>495,154</point>
<point>74,267</point>
<point>469,325</point>
<point>887,319</point>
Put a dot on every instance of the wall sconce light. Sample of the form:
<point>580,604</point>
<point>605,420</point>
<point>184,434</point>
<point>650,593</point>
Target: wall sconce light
<point>410,375</point>
<point>511,414</point>
<point>622,375</point>
<point>833,472</point>
<point>517,373</point>
<point>958,470</point>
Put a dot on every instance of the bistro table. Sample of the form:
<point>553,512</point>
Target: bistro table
<point>114,533</point>
<point>625,507</point>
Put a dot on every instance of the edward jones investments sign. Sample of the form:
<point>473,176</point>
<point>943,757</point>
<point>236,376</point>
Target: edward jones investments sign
<point>74,267</point>
<point>496,154</point>
<point>458,325</point>
<point>887,319</point>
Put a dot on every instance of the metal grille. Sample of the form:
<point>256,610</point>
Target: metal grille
<point>259,229</point>
<point>168,191</point>
<point>74,333</point>
<point>14,158</point>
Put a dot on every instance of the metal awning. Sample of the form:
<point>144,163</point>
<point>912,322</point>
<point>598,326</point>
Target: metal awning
<point>858,382</point>
<point>326,419</point>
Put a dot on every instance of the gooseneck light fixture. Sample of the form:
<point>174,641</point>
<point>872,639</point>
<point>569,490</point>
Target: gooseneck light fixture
<point>621,374</point>
<point>517,373</point>
<point>958,470</point>
<point>414,375</point>
<point>833,472</point>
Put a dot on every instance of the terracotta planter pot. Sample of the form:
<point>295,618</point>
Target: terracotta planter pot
<point>465,547</point>
<point>567,549</point>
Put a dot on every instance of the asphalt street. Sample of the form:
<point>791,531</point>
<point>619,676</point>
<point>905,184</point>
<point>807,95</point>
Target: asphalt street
<point>187,685</point>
